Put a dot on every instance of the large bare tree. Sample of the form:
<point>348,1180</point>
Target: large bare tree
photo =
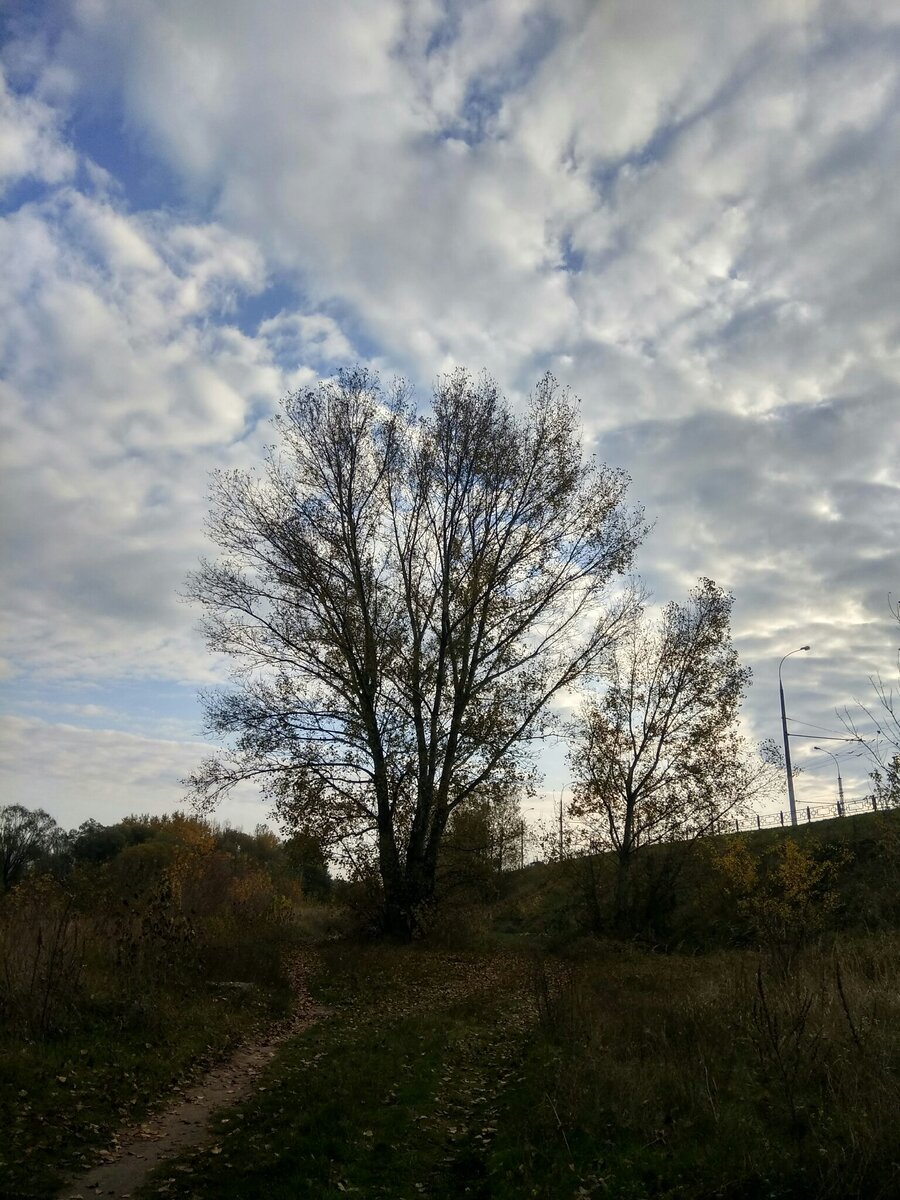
<point>403,595</point>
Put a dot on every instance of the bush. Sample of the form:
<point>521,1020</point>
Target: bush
<point>153,904</point>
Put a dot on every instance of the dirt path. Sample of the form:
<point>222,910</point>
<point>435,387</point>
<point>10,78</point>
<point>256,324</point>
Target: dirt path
<point>186,1123</point>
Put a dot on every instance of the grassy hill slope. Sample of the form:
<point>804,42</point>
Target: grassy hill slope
<point>842,874</point>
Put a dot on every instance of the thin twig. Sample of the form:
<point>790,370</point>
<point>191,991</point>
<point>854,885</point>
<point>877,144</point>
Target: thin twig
<point>712,1103</point>
<point>846,1007</point>
<point>561,1130</point>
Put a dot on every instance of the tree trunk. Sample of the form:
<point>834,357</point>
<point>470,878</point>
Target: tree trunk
<point>622,914</point>
<point>409,887</point>
<point>407,895</point>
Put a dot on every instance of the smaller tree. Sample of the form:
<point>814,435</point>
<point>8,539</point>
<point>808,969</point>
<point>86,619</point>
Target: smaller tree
<point>658,757</point>
<point>881,742</point>
<point>308,858</point>
<point>486,835</point>
<point>26,835</point>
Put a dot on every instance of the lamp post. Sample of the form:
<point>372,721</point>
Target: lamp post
<point>784,730</point>
<point>840,781</point>
<point>562,792</point>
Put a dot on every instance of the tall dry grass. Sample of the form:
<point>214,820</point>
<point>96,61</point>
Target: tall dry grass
<point>107,938</point>
<point>730,1063</point>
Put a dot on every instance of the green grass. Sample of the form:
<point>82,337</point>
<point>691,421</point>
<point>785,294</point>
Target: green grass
<point>673,1077</point>
<point>624,1073</point>
<point>393,1095</point>
<point>532,1060</point>
<point>65,1097</point>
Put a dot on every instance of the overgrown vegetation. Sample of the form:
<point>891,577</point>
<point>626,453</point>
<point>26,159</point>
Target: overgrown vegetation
<point>717,892</point>
<point>112,948</point>
<point>722,1075</point>
<point>743,1042</point>
<point>658,757</point>
<point>617,1072</point>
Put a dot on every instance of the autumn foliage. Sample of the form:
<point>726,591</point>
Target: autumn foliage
<point>122,911</point>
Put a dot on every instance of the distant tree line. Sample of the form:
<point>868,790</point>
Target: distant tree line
<point>32,843</point>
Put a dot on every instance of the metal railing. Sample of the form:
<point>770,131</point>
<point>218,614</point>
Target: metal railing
<point>822,810</point>
<point>819,810</point>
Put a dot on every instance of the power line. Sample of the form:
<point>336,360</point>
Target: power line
<point>810,725</point>
<point>814,766</point>
<point>821,737</point>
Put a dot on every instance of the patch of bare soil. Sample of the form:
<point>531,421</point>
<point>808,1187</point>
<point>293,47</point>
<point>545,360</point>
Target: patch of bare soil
<point>186,1122</point>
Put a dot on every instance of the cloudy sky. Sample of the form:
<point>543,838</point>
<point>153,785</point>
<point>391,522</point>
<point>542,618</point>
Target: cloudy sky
<point>688,212</point>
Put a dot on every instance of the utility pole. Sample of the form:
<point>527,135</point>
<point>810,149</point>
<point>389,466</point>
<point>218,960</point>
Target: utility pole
<point>562,792</point>
<point>787,747</point>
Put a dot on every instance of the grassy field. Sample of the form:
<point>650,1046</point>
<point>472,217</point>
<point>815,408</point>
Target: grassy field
<point>110,995</point>
<point>64,1098</point>
<point>746,1045</point>
<point>624,1073</point>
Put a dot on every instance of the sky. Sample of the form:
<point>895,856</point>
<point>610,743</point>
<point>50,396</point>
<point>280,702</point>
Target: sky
<point>689,213</point>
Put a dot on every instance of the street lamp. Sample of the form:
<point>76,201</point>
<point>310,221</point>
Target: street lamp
<point>784,730</point>
<point>840,781</point>
<point>562,792</point>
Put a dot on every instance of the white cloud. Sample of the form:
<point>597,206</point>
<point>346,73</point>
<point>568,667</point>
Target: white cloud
<point>122,391</point>
<point>688,211</point>
<point>31,147</point>
<point>675,149</point>
<point>74,773</point>
<point>86,712</point>
<point>298,337</point>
